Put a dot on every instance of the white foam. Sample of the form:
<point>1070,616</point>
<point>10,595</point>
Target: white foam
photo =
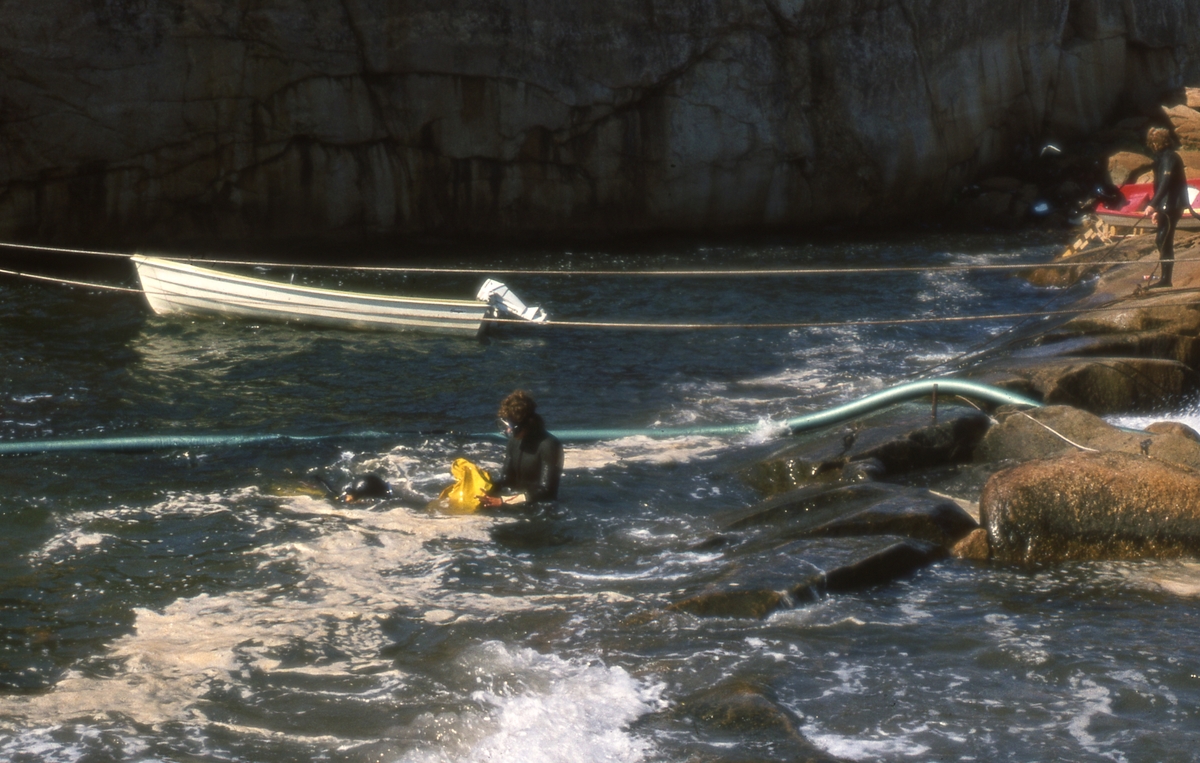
<point>1179,579</point>
<point>851,678</point>
<point>673,569</point>
<point>49,745</point>
<point>536,708</point>
<point>402,468</point>
<point>1138,681</point>
<point>933,357</point>
<point>859,748</point>
<point>1096,701</point>
<point>72,541</point>
<point>806,378</point>
<point>644,450</point>
<point>76,536</point>
<point>26,399</point>
<point>1021,644</point>
<point>1189,416</point>
<point>346,576</point>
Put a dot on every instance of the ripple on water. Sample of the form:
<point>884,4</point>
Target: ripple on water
<point>195,606</point>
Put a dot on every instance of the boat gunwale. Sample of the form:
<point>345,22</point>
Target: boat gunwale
<point>316,291</point>
<point>1130,190</point>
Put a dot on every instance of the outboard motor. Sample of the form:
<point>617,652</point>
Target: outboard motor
<point>505,303</point>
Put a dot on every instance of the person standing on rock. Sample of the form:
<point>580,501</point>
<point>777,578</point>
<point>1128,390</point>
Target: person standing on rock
<point>1170,199</point>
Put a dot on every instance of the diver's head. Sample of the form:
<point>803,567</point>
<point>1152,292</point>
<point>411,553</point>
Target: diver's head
<point>517,412</point>
<point>1158,138</point>
<point>366,486</point>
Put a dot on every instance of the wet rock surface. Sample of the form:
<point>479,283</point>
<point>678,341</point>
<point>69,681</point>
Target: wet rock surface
<point>895,561</point>
<point>1092,506</point>
<point>1164,345</point>
<point>973,546</point>
<point>873,448</point>
<point>741,706</point>
<point>1101,385</point>
<point>876,499</point>
<point>1054,431</point>
<point>1068,485</point>
<point>1173,312</point>
<point>788,554</point>
<point>1118,299</point>
<point>774,590</point>
<point>755,604</point>
<point>1174,428</point>
<point>859,510</point>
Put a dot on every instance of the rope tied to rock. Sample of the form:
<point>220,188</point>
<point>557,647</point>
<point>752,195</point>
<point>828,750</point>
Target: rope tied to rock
<point>1060,435</point>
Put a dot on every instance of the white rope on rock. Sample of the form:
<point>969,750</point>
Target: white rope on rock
<point>1059,435</point>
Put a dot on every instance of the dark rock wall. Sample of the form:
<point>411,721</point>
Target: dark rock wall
<point>139,120</point>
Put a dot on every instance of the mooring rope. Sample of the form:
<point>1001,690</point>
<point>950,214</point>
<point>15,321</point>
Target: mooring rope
<point>981,348</point>
<point>63,250</point>
<point>824,324</point>
<point>642,325</point>
<point>68,282</point>
<point>665,273</point>
<point>658,273</point>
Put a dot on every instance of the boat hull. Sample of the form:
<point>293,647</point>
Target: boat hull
<point>174,288</point>
<point>1129,214</point>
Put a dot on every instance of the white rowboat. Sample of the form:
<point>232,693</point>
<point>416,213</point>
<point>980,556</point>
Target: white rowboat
<point>179,288</point>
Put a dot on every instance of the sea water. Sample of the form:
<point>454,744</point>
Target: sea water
<point>211,604</point>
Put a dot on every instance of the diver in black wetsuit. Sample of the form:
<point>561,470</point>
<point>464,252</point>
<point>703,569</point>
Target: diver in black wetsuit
<point>1170,199</point>
<point>534,459</point>
<point>366,486</point>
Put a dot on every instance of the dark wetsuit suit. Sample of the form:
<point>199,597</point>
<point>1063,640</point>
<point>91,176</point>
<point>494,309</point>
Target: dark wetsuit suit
<point>1170,199</point>
<point>533,463</point>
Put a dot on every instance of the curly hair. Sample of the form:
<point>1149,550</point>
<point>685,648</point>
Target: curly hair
<point>517,407</point>
<point>1158,138</point>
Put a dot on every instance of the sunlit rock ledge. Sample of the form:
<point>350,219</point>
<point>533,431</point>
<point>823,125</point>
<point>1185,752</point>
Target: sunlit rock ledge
<point>876,499</point>
<point>150,121</point>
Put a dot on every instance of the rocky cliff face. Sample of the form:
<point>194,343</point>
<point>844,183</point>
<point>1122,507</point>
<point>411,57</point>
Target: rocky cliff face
<point>141,120</point>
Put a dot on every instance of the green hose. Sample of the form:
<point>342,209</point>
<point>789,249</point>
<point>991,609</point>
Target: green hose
<point>816,420</point>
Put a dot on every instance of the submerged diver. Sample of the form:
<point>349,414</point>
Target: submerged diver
<point>1170,199</point>
<point>362,487</point>
<point>534,459</point>
<point>366,486</point>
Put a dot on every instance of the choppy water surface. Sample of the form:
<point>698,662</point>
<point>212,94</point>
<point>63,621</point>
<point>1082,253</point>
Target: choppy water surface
<point>209,606</point>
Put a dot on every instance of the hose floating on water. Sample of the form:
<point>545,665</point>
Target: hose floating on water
<point>882,399</point>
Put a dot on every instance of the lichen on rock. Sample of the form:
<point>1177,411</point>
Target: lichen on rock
<point>1092,506</point>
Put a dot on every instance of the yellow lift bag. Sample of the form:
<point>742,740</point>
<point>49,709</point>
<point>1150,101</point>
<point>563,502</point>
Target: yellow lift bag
<point>470,483</point>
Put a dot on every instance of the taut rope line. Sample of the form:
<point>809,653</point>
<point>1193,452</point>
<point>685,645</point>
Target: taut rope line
<point>819,324</point>
<point>61,250</point>
<point>68,282</point>
<point>634,325</point>
<point>663,273</point>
